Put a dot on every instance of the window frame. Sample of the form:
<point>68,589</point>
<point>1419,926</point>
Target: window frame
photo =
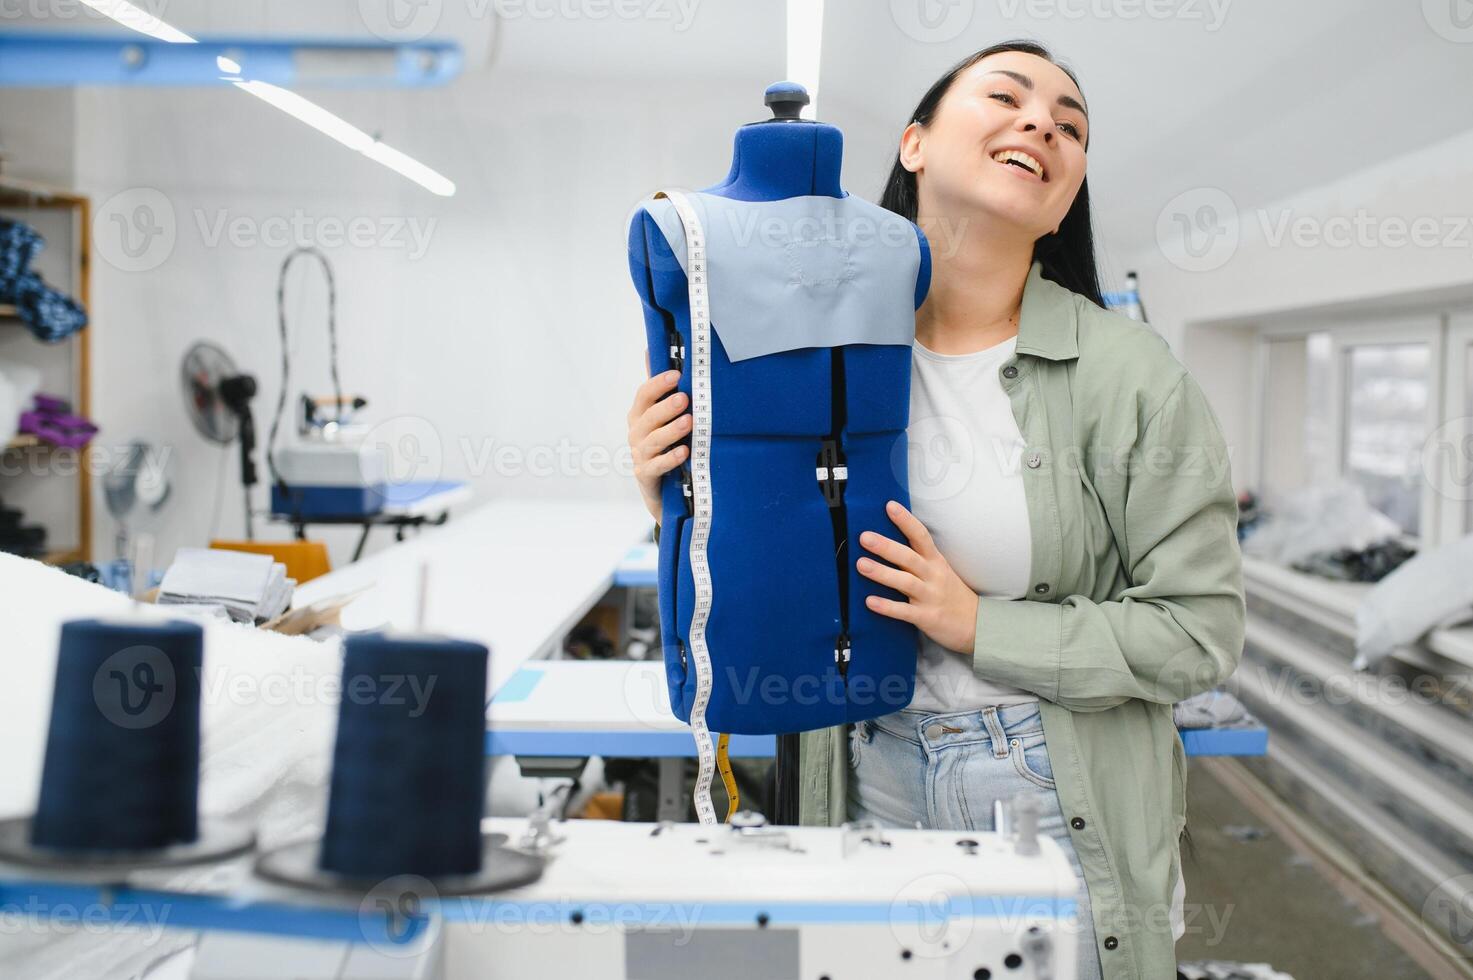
<point>1428,328</point>
<point>1457,515</point>
<point>1400,330</point>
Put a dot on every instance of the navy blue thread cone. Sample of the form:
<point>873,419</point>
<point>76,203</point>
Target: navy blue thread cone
<point>408,769</point>
<point>121,771</point>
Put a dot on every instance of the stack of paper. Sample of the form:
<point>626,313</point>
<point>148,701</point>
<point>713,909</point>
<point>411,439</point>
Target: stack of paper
<point>251,588</point>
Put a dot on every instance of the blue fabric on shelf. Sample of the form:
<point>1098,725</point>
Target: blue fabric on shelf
<point>19,244</point>
<point>50,315</point>
<point>121,770</point>
<point>408,773</point>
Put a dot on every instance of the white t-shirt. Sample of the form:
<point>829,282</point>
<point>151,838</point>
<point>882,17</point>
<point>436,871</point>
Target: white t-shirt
<point>966,486</point>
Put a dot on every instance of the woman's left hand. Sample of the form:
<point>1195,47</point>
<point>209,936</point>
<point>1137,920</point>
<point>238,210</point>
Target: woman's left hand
<point>941,605</point>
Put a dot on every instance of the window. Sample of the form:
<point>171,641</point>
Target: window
<point>1388,388</point>
<point>1363,402</point>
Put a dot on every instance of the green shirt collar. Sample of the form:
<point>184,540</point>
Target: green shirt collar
<point>1048,323</point>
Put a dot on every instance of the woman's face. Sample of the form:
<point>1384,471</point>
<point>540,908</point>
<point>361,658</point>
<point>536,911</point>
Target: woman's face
<point>1007,101</point>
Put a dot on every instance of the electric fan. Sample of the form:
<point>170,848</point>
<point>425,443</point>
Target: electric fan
<point>136,486</point>
<point>218,399</point>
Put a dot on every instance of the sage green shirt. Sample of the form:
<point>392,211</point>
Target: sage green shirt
<point>1135,602</point>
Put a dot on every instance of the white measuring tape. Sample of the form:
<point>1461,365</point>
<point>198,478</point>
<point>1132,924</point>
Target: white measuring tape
<point>700,465</point>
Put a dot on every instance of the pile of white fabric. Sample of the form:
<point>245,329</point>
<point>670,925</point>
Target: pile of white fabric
<point>1318,519</point>
<point>1433,589</point>
<point>268,715</point>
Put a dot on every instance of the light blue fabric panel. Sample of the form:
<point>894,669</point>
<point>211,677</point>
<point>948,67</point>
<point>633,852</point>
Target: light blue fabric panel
<point>802,272</point>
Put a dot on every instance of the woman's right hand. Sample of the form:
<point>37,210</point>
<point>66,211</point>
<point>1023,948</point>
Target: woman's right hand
<point>658,420</point>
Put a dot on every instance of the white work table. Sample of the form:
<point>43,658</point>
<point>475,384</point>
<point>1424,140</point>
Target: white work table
<point>604,707</point>
<point>514,574</point>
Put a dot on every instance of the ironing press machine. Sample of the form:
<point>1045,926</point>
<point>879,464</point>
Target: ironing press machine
<point>332,470</point>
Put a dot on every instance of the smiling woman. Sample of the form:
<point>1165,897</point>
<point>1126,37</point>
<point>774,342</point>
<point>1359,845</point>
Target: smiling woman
<point>1064,606</point>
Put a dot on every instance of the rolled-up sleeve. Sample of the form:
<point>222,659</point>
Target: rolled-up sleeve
<point>1178,628</point>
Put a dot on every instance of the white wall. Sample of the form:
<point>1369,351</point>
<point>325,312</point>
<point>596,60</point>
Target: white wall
<point>1346,250</point>
<point>510,322</point>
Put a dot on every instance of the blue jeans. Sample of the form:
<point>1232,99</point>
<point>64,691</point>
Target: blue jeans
<point>945,771</point>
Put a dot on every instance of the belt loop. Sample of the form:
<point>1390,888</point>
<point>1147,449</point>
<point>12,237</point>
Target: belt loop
<point>995,733</point>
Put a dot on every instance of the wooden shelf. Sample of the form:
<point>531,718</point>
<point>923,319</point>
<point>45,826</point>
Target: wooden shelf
<point>29,193</point>
<point>23,442</point>
<point>25,196</point>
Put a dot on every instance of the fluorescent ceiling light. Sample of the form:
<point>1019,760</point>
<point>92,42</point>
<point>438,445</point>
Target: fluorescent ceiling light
<point>805,47</point>
<point>294,105</point>
<point>139,20</point>
<point>349,135</point>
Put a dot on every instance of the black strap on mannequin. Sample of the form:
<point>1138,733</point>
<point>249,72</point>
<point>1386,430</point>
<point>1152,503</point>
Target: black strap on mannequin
<point>833,476</point>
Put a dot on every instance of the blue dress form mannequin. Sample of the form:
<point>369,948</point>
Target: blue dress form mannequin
<point>773,160</point>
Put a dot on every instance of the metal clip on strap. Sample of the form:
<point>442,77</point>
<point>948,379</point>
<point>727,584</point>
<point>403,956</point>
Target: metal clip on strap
<point>832,473</point>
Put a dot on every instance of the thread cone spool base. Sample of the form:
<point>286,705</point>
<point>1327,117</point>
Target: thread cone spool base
<point>218,840</point>
<point>502,868</point>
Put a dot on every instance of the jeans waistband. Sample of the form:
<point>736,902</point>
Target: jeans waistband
<point>1009,720</point>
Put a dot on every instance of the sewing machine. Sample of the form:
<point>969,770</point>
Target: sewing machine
<point>627,901</point>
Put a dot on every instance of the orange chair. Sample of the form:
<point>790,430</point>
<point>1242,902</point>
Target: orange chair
<point>304,560</point>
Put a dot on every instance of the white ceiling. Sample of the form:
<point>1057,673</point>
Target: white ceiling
<point>1256,98</point>
<point>668,39</point>
<point>1275,98</point>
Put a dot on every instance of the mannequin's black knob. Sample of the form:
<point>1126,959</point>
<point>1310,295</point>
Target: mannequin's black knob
<point>786,99</point>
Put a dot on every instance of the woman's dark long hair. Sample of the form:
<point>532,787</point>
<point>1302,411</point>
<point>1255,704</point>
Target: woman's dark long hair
<point>1068,257</point>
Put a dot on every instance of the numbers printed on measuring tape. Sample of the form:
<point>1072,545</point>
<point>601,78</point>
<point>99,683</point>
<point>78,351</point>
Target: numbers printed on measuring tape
<point>700,463</point>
